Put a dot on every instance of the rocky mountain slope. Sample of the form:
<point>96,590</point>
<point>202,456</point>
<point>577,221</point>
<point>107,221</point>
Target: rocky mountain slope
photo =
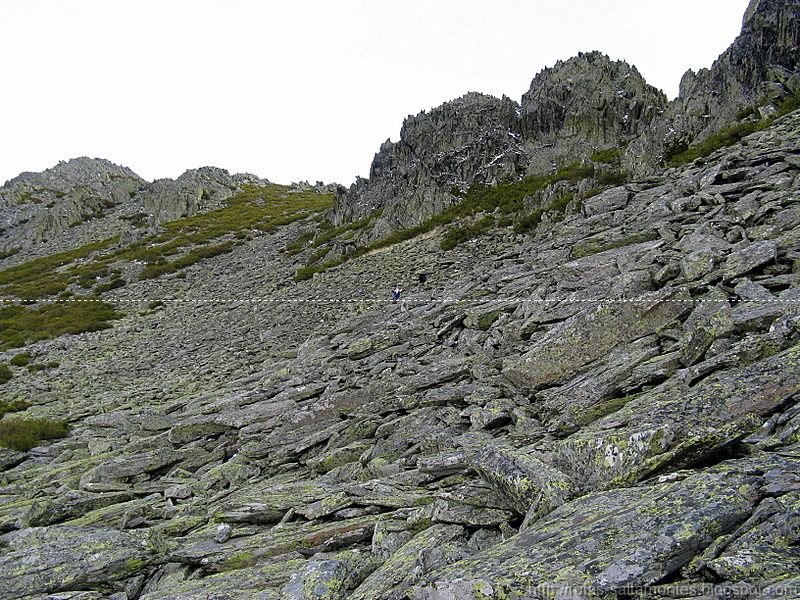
<point>607,404</point>
<point>590,389</point>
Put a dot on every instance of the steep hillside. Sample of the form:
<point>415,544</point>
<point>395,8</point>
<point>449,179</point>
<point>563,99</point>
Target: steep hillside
<point>604,404</point>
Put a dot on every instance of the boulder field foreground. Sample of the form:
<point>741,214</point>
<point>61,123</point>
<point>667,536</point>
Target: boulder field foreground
<point>605,404</point>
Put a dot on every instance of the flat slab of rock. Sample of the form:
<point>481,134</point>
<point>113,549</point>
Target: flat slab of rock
<point>529,485</point>
<point>404,568</point>
<point>749,258</point>
<point>71,505</point>
<point>262,582</point>
<point>592,333</point>
<point>44,560</point>
<point>107,476</point>
<point>10,458</point>
<point>605,541</point>
<point>269,501</point>
<point>309,538</point>
<point>678,426</point>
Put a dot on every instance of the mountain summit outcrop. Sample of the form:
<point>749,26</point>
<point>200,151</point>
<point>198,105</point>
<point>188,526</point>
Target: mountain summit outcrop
<point>750,78</point>
<point>87,199</point>
<point>473,138</point>
<point>586,104</point>
<point>583,105</point>
<point>572,110</point>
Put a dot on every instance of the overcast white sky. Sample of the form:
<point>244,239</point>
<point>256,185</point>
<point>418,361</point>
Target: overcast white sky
<point>299,89</point>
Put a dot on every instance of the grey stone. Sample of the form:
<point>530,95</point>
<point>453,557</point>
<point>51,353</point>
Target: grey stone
<point>224,531</point>
<point>530,486</point>
<point>607,541</point>
<point>60,558</point>
<point>748,259</point>
<point>592,333</point>
<point>697,264</point>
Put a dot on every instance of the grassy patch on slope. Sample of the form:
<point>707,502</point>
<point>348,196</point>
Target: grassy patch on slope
<point>21,325</point>
<point>505,199</point>
<point>43,277</point>
<point>13,406</point>
<point>254,211</point>
<point>24,434</point>
<point>184,242</point>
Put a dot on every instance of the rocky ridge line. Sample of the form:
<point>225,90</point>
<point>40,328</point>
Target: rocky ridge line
<point>572,110</point>
<point>85,200</point>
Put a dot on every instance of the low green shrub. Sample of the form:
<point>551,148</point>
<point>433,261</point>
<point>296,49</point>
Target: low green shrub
<point>609,156</point>
<point>529,222</point>
<point>24,434</point>
<point>192,257</point>
<point>460,234</point>
<point>682,155</point>
<point>317,255</point>
<point>508,198</point>
<point>746,113</point>
<point>37,367</point>
<point>252,210</point>
<point>308,271</point>
<point>13,406</point>
<point>298,244</point>
<point>5,374</point>
<point>613,177</point>
<point>21,325</point>
<point>20,360</point>
<point>116,283</point>
<point>329,232</point>
<point>787,105</point>
<point>561,203</point>
<point>39,278</point>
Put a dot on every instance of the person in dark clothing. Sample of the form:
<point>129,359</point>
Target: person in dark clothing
<point>396,293</point>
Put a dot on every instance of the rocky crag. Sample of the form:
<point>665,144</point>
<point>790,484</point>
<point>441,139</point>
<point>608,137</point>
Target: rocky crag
<point>580,106</point>
<point>748,81</point>
<point>604,403</point>
<point>571,111</point>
